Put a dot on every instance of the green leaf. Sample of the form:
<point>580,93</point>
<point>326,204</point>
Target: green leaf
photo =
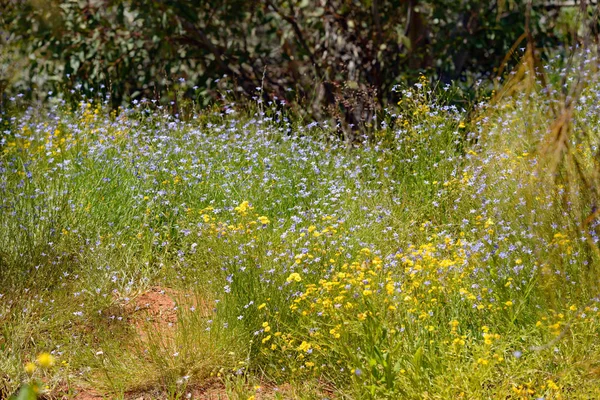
<point>27,392</point>
<point>418,358</point>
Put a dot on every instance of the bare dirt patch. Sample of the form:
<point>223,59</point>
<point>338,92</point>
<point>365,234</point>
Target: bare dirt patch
<point>64,392</point>
<point>214,389</point>
<point>157,310</point>
<point>88,395</point>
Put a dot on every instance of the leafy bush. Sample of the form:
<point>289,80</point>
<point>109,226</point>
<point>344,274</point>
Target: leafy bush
<point>341,54</point>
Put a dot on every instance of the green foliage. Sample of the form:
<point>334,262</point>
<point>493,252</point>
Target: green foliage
<point>27,392</point>
<point>439,258</point>
<point>141,48</point>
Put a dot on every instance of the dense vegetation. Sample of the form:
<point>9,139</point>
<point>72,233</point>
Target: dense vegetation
<point>440,258</point>
<point>336,54</point>
<point>299,199</point>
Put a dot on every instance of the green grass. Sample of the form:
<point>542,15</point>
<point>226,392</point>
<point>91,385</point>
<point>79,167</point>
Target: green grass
<point>439,259</point>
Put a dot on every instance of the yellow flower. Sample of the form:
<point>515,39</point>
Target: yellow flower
<point>389,288</point>
<point>265,340</point>
<point>243,208</point>
<point>552,385</point>
<point>263,220</point>
<point>487,338</point>
<point>263,305</point>
<point>304,346</point>
<point>30,368</point>
<point>294,276</point>
<point>509,303</point>
<point>45,360</point>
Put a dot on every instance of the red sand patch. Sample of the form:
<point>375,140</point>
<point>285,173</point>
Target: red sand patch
<point>88,395</point>
<point>76,393</point>
<point>156,310</point>
<point>215,390</point>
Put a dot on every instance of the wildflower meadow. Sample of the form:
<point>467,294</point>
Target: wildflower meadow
<point>238,251</point>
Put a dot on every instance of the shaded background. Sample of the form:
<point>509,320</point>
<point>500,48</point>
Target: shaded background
<point>325,55</point>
